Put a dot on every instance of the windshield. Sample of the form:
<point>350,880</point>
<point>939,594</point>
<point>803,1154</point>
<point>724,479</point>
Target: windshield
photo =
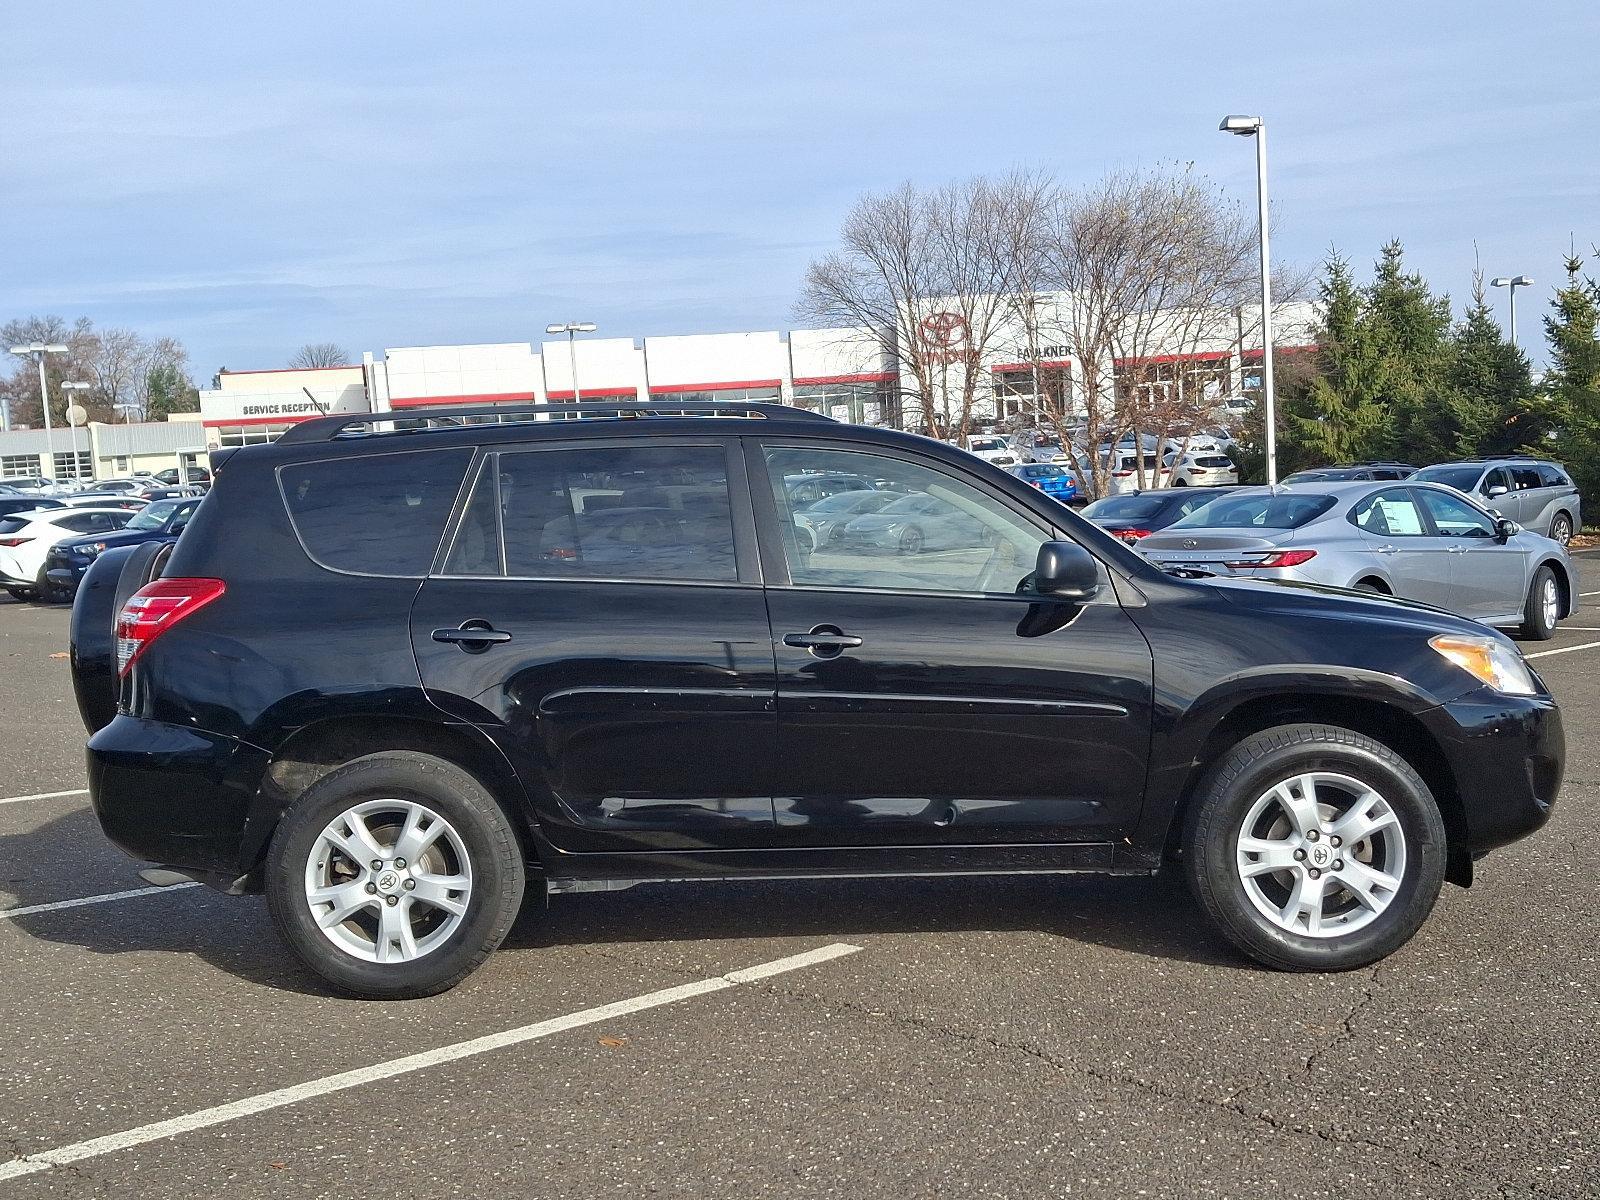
<point>1125,508</point>
<point>1463,479</point>
<point>153,516</point>
<point>1263,511</point>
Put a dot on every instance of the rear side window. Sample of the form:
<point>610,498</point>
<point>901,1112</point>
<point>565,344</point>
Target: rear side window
<point>1551,477</point>
<point>624,512</point>
<point>379,514</point>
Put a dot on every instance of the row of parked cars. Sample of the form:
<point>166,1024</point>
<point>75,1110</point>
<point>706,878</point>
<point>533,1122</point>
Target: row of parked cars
<point>1197,460</point>
<point>49,535</point>
<point>1485,538</point>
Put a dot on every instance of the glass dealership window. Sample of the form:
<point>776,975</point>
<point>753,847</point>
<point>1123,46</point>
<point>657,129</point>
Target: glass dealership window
<point>757,395</point>
<point>76,464</point>
<point>855,402</point>
<point>1020,391</point>
<point>18,466</point>
<point>250,435</point>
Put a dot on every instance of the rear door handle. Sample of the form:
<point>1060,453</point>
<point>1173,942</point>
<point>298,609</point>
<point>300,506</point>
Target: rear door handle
<point>1388,549</point>
<point>1457,549</point>
<point>824,641</point>
<point>472,636</point>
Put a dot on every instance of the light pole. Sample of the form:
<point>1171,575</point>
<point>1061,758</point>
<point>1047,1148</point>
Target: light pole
<point>68,385</point>
<point>37,351</point>
<point>570,328</point>
<point>1513,282</point>
<point>1257,128</point>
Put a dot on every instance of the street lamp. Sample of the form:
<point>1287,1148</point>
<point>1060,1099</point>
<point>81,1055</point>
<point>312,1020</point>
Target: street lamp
<point>570,328</point>
<point>1513,282</point>
<point>69,386</point>
<point>37,351</point>
<point>1257,128</point>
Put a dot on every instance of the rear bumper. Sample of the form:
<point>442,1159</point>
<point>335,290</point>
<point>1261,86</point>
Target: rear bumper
<point>1508,754</point>
<point>174,796</point>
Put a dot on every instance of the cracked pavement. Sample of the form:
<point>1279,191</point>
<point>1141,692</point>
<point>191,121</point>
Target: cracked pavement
<point>1019,1037</point>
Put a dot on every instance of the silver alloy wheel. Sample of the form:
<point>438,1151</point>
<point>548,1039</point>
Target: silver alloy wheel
<point>1561,530</point>
<point>1550,602</point>
<point>388,881</point>
<point>1321,854</point>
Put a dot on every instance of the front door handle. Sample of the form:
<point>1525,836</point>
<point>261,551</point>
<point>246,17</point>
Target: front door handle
<point>824,641</point>
<point>472,636</point>
<point>1457,549</point>
<point>1388,549</point>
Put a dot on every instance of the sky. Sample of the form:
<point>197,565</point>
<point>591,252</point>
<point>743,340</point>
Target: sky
<point>251,177</point>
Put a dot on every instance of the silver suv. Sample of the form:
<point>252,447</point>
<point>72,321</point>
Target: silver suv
<point>1534,492</point>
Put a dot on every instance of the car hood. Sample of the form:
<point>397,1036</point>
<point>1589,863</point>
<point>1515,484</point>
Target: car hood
<point>1289,598</point>
<point>117,537</point>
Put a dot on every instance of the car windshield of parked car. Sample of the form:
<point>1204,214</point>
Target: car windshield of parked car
<point>153,516</point>
<point>1463,479</point>
<point>986,444</point>
<point>1125,508</point>
<point>1265,511</point>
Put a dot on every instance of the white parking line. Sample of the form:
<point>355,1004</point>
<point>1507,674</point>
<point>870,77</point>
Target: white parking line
<point>43,796</point>
<point>61,1156</point>
<point>7,914</point>
<point>1564,650</point>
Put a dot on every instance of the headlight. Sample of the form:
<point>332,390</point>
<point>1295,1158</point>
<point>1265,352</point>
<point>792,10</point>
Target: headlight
<point>1488,660</point>
<point>92,549</point>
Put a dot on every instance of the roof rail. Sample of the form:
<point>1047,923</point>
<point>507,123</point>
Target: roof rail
<point>327,429</point>
<point>1508,458</point>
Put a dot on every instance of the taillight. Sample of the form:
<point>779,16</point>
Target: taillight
<point>1121,474</point>
<point>156,608</point>
<point>13,543</point>
<point>1133,535</point>
<point>1278,558</point>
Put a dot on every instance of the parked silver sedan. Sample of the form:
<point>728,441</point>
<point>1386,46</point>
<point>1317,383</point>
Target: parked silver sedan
<point>1419,541</point>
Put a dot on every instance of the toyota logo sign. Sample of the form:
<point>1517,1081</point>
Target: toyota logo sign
<point>944,330</point>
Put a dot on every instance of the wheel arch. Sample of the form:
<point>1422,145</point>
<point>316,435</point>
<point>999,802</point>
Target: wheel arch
<point>319,748</point>
<point>1569,594</point>
<point>1393,724</point>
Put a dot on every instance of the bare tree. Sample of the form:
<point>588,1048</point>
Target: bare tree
<point>318,354</point>
<point>935,275</point>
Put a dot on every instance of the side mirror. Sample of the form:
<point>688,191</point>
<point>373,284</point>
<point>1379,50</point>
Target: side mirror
<point>1505,529</point>
<point>1066,571</point>
<point>1496,491</point>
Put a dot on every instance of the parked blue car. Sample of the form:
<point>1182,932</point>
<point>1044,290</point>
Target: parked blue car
<point>1050,478</point>
<point>66,561</point>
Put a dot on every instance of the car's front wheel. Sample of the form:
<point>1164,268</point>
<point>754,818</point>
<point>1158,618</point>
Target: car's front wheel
<point>1315,848</point>
<point>394,876</point>
<point>1541,608</point>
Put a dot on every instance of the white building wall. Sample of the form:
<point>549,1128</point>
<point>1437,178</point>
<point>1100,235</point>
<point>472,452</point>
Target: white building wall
<point>706,362</point>
<point>480,374</point>
<point>608,369</point>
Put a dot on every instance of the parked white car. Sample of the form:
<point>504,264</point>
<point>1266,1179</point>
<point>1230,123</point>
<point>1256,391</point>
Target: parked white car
<point>25,537</point>
<point>1122,472</point>
<point>1201,469</point>
<point>992,447</point>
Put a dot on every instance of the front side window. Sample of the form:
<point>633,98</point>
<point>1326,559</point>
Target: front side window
<point>938,534</point>
<point>1526,478</point>
<point>1454,517</point>
<point>1392,513</point>
<point>625,512</point>
<point>375,514</point>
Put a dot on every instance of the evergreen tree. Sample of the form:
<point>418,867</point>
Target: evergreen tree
<point>1409,330</point>
<point>1496,407</point>
<point>169,391</point>
<point>1572,384</point>
<point>1335,414</point>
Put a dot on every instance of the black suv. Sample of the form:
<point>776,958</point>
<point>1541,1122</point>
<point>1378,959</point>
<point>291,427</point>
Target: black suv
<point>394,670</point>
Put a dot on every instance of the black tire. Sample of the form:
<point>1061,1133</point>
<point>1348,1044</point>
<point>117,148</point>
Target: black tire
<point>19,593</point>
<point>1180,483</point>
<point>1537,625</point>
<point>1252,768</point>
<point>45,591</point>
<point>1561,528</point>
<point>491,848</point>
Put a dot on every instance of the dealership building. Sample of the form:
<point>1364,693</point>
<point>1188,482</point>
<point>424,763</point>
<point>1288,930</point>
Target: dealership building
<point>849,374</point>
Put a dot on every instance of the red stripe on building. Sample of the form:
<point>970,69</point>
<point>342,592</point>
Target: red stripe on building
<point>626,393</point>
<point>673,389</point>
<point>1049,364</point>
<point>1157,359</point>
<point>872,377</point>
<point>481,398</point>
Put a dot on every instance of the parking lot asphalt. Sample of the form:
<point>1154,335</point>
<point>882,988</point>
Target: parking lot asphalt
<point>1026,1037</point>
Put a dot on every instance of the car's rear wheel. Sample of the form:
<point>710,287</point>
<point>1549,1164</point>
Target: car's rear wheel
<point>1561,528</point>
<point>1315,848</point>
<point>1541,610</point>
<point>394,876</point>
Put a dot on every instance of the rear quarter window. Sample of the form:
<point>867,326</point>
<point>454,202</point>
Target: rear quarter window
<point>378,514</point>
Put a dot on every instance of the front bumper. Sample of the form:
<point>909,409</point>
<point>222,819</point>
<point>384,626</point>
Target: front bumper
<point>1507,754</point>
<point>65,573</point>
<point>174,796</point>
